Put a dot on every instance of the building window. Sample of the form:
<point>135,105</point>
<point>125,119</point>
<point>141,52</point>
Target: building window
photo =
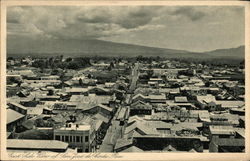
<point>86,150</point>
<point>57,137</point>
<point>81,139</point>
<point>63,138</point>
<point>70,138</point>
<point>77,139</point>
<point>86,138</point>
<point>67,138</point>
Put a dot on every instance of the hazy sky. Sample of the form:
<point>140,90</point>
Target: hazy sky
<point>193,28</point>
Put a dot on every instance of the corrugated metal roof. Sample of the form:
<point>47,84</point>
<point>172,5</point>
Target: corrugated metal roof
<point>35,144</point>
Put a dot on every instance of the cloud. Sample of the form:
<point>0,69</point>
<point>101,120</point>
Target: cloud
<point>14,14</point>
<point>79,22</point>
<point>135,17</point>
<point>189,12</point>
<point>82,22</point>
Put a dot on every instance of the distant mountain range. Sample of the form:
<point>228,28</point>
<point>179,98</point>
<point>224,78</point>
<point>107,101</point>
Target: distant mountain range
<point>19,46</point>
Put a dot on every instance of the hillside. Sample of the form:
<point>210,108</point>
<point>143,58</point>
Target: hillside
<point>238,52</point>
<point>81,47</point>
<point>20,46</point>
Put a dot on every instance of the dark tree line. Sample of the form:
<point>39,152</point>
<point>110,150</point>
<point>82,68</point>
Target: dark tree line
<point>56,62</point>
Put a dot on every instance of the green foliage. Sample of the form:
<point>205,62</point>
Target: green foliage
<point>56,62</point>
<point>41,123</point>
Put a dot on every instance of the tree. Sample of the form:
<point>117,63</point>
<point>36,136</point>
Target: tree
<point>50,92</point>
<point>112,65</point>
<point>207,84</point>
<point>80,82</point>
<point>73,65</point>
<point>69,59</point>
<point>61,58</point>
<point>39,123</point>
<point>10,58</point>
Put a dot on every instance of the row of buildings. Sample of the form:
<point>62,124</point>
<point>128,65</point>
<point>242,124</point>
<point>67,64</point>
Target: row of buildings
<point>164,106</point>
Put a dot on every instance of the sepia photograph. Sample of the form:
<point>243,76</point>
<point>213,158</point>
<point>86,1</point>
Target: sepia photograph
<point>111,80</point>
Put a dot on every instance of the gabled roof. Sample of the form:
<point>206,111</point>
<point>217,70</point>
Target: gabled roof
<point>206,99</point>
<point>132,149</point>
<point>140,105</point>
<point>13,116</point>
<point>123,142</point>
<point>17,105</point>
<point>169,148</point>
<point>141,127</point>
<point>105,107</point>
<point>130,128</point>
<point>134,118</point>
<point>139,95</point>
<point>192,150</point>
<point>137,102</point>
<point>101,88</point>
